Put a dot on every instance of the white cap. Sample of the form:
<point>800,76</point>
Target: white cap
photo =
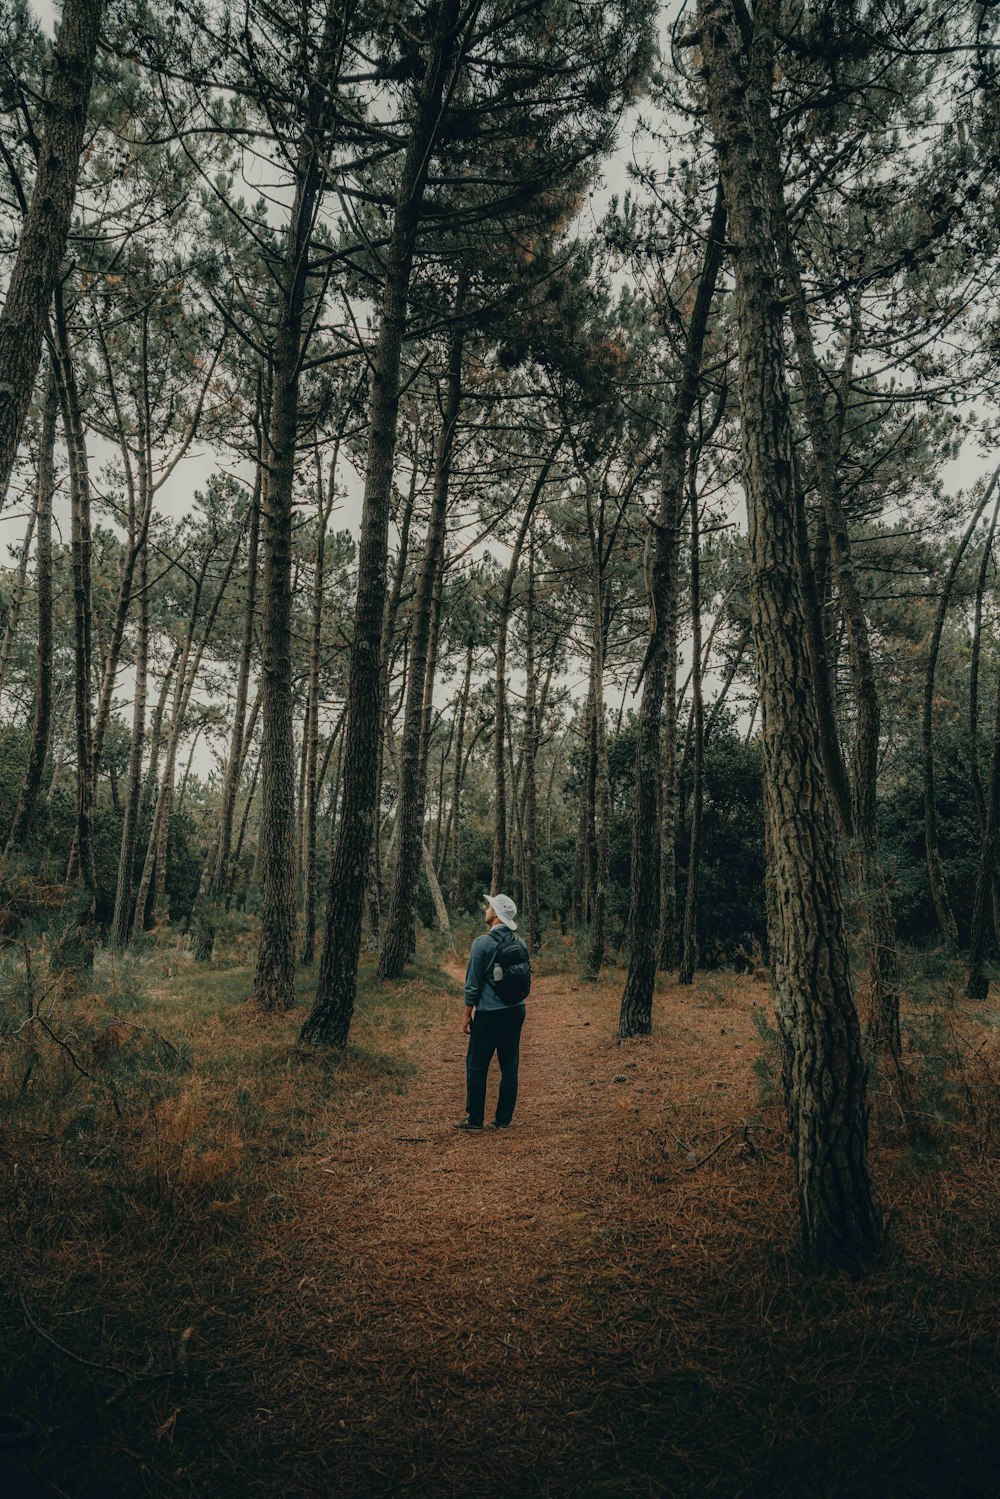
<point>504,909</point>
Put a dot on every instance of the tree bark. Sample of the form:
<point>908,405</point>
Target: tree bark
<point>883,958</point>
<point>652,907</point>
<point>25,811</point>
<point>412,750</point>
<point>330,1019</point>
<point>824,1068</point>
<point>46,225</point>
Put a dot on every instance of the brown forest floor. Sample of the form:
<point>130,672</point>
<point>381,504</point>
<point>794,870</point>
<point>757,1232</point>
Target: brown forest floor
<point>603,1300</point>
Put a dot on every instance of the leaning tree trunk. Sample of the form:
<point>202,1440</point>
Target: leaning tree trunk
<point>412,770</point>
<point>25,811</point>
<point>42,246</point>
<point>824,1068</point>
<point>330,1018</point>
<point>935,869</point>
<point>652,909</point>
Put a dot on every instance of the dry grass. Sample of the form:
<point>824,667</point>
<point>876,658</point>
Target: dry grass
<point>320,1290</point>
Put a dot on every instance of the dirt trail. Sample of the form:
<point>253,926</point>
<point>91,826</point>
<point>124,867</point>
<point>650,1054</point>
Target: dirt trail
<point>484,1314</point>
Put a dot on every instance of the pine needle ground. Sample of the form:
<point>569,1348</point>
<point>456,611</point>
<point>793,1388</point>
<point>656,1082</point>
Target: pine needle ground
<point>234,1267</point>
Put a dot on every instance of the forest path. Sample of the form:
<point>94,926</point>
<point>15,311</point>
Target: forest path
<point>491,1314</point>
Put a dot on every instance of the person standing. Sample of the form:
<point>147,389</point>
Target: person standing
<point>496,986</point>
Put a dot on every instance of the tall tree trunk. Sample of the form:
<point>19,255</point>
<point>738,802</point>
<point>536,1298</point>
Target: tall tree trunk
<point>121,923</point>
<point>139,518</point>
<point>453,837</point>
<point>373,885</point>
<point>241,835</point>
<point>975,772</point>
<point>151,780</point>
<point>82,868</point>
<point>187,672</point>
<point>824,1068</point>
<point>274,980</point>
<point>330,1019</point>
<point>602,778</point>
<point>531,737</point>
<point>883,958</point>
<point>324,506</point>
<point>412,750</point>
<point>47,221</point>
<point>666,937</point>
<point>25,811</point>
<point>453,833</point>
<point>215,878</point>
<point>689,938</point>
<point>188,679</point>
<point>652,907</point>
<point>499,873</point>
<point>584,860</point>
<point>156,846</point>
<point>935,869</point>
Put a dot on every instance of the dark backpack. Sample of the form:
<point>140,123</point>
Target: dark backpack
<point>510,972</point>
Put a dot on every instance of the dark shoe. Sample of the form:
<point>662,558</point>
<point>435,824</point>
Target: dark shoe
<point>466,1124</point>
<point>497,1125</point>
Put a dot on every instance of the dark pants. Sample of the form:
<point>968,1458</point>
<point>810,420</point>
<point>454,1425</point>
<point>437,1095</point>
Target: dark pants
<point>493,1031</point>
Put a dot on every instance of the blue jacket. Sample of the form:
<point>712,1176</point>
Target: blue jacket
<point>478,989</point>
